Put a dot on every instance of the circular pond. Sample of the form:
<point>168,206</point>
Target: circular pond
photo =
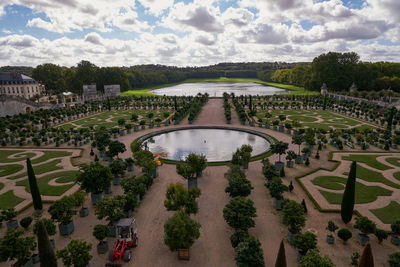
<point>216,144</point>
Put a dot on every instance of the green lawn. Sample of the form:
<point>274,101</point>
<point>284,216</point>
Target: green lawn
<point>66,126</point>
<point>364,194</point>
<point>370,160</point>
<point>329,182</point>
<point>48,190</point>
<point>388,214</point>
<point>396,175</point>
<point>1,186</point>
<point>394,161</point>
<point>9,200</point>
<point>10,169</point>
<point>40,169</point>
<point>4,154</point>
<point>302,118</point>
<point>372,176</point>
<point>51,155</point>
<point>109,119</point>
<point>293,90</point>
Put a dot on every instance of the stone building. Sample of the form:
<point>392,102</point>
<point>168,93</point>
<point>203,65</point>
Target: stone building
<point>324,89</point>
<point>89,92</point>
<point>112,90</point>
<point>20,85</point>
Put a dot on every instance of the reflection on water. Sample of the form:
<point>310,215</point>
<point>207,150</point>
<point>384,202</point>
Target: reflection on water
<point>215,144</point>
<point>217,89</point>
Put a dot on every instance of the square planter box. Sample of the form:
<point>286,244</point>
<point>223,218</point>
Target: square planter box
<point>97,197</point>
<point>35,258</point>
<point>102,248</point>
<point>153,173</point>
<point>290,164</point>
<point>12,224</point>
<point>183,254</point>
<point>395,240</point>
<point>192,183</point>
<point>245,166</point>
<point>83,212</point>
<point>278,204</point>
<point>143,127</point>
<point>113,230</point>
<point>279,165</point>
<point>29,263</point>
<point>107,190</point>
<point>116,180</point>
<point>66,229</point>
<point>363,239</point>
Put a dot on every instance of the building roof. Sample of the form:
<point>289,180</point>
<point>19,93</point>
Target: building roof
<point>15,78</point>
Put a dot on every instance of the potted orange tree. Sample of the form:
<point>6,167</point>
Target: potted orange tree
<point>180,233</point>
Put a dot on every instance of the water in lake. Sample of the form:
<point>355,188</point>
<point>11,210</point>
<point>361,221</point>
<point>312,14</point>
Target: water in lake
<point>216,89</point>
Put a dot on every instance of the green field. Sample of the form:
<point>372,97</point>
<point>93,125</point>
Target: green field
<point>9,200</point>
<point>394,161</point>
<point>388,214</point>
<point>373,177</point>
<point>294,90</point>
<point>10,169</point>
<point>109,119</point>
<point>370,160</point>
<point>4,154</point>
<point>309,118</point>
<point>364,194</point>
<point>49,190</point>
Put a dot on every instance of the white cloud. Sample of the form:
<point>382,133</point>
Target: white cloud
<point>193,16</point>
<point>200,33</point>
<point>49,26</point>
<point>70,15</point>
<point>156,7</point>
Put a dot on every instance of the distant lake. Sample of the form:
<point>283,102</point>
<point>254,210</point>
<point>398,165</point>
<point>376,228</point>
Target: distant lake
<point>216,89</point>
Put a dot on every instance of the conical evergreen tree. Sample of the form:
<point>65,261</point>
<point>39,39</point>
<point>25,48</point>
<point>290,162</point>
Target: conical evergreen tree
<point>349,195</point>
<point>36,198</point>
<point>366,260</point>
<point>303,203</point>
<point>281,258</point>
<point>46,252</point>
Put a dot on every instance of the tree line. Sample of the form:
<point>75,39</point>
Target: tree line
<point>339,71</point>
<point>59,79</point>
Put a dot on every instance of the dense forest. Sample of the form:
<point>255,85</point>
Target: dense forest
<point>337,70</point>
<point>58,79</point>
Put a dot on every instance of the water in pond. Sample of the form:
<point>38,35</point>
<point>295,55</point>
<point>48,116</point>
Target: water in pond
<point>216,89</point>
<point>215,144</point>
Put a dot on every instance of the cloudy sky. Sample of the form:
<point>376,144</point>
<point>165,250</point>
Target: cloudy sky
<point>194,32</point>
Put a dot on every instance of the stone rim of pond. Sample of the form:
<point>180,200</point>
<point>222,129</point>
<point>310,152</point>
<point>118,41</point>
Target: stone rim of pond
<point>267,137</point>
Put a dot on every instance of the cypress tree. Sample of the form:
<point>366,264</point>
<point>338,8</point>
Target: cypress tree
<point>348,199</point>
<point>36,198</point>
<point>46,252</point>
<point>281,258</point>
<point>366,260</point>
<point>303,203</point>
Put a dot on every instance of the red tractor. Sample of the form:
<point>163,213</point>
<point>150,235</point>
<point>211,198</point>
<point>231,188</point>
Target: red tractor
<point>127,238</point>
